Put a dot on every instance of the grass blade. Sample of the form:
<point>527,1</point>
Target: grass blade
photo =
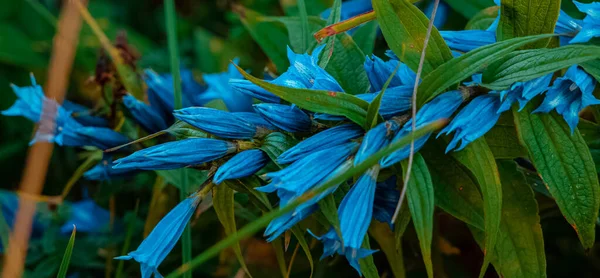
<point>64,265</point>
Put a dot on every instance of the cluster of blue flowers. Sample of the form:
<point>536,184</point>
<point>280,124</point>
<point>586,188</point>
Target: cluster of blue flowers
<point>235,135</point>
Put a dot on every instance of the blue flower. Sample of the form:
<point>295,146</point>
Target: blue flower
<point>255,119</point>
<point>193,90</point>
<point>379,71</point>
<point>155,248</point>
<point>144,115</point>
<point>176,154</point>
<point>323,140</point>
<point>467,40</point>
<point>241,165</point>
<point>304,73</point>
<point>355,213</point>
<point>386,198</point>
<point>104,170</point>
<point>333,245</point>
<point>248,88</point>
<point>351,9</point>
<point>29,101</point>
<point>219,87</point>
<point>474,120</point>
<point>523,92</point>
<point>284,117</point>
<point>217,122</point>
<point>82,114</point>
<point>569,95</point>
<point>440,16</point>
<point>393,102</point>
<point>568,27</point>
<point>87,216</point>
<point>71,133</point>
<point>375,139</point>
<point>494,26</point>
<point>443,106</point>
<point>590,27</point>
<point>319,164</point>
<point>292,182</point>
<point>160,93</point>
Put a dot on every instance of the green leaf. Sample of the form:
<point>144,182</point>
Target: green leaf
<point>367,265</point>
<point>223,203</point>
<point>365,36</point>
<point>483,19</point>
<point>521,18</point>
<point>64,265</point>
<point>320,101</point>
<point>346,65</point>
<point>263,221</point>
<point>469,8</point>
<point>267,35</point>
<point>334,17</point>
<point>404,27</point>
<point>130,218</point>
<point>16,48</point>
<point>329,209</point>
<point>528,64</point>
<point>564,162</point>
<point>478,158</point>
<point>421,203</point>
<point>520,247</point>
<point>455,189</point>
<point>385,238</point>
<point>460,68</point>
<point>593,68</point>
<point>304,33</point>
<point>194,178</point>
<point>302,241</point>
<point>503,140</point>
<point>276,143</point>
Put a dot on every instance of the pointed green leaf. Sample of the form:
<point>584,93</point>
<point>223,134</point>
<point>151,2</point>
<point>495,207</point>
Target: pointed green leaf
<point>520,248</point>
<point>384,236</point>
<point>346,65</point>
<point>334,17</point>
<point>521,18</point>
<point>365,36</point>
<point>64,265</point>
<point>503,140</point>
<point>404,27</point>
<point>421,203</point>
<point>483,19</point>
<point>564,162</point>
<point>294,25</point>
<point>329,209</point>
<point>455,189</point>
<point>593,68</point>
<point>333,103</point>
<point>460,68</point>
<point>223,204</point>
<point>305,32</point>
<point>528,64</point>
<point>478,158</point>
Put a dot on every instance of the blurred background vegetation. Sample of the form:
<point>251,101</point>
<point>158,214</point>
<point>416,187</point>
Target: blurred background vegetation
<point>210,35</point>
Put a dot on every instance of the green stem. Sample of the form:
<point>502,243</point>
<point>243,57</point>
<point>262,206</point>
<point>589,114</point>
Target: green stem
<point>263,221</point>
<point>171,22</point>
